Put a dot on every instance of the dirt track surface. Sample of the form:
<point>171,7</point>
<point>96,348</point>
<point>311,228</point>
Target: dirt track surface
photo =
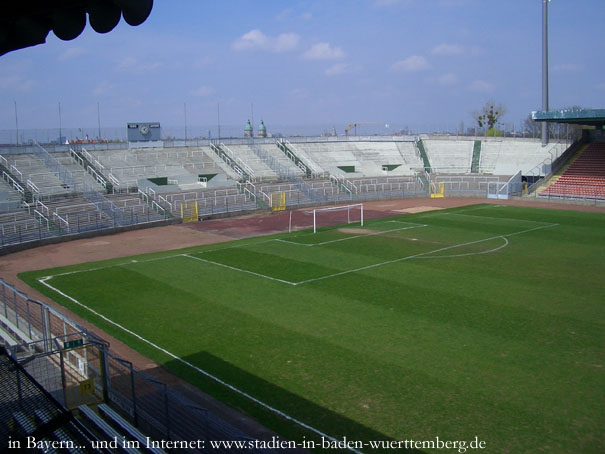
<point>195,234</point>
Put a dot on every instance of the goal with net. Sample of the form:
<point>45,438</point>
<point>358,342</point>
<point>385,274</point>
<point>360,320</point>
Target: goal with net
<point>329,216</point>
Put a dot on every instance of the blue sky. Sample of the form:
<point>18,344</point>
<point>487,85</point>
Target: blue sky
<point>406,63</point>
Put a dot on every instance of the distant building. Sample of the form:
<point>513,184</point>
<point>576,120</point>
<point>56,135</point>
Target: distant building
<point>262,130</point>
<point>248,132</point>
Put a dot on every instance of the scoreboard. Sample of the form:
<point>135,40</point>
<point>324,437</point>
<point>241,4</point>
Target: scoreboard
<point>143,132</point>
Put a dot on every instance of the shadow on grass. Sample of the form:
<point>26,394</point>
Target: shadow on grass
<point>334,425</point>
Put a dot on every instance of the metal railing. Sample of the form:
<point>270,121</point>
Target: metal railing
<point>37,336</point>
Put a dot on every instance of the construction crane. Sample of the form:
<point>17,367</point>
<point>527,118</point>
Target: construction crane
<point>357,123</point>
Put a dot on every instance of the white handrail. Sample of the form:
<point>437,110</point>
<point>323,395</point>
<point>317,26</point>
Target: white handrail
<point>238,160</point>
<point>43,207</point>
<point>42,217</point>
<point>56,216</point>
<point>114,180</point>
<point>32,186</point>
<point>155,204</point>
<point>163,199</point>
<point>144,196</point>
<point>98,177</point>
<point>304,159</point>
<point>87,155</point>
<point>76,157</point>
<point>252,195</point>
<point>6,177</point>
<point>18,172</point>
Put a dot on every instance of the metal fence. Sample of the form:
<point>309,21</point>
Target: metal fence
<point>36,335</point>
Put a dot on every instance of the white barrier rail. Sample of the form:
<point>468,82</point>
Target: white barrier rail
<point>62,222</point>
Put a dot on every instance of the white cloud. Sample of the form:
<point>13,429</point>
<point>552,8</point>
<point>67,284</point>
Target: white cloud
<point>337,69</point>
<point>448,79</point>
<point>481,86</point>
<point>323,51</point>
<point>299,93</point>
<point>71,53</point>
<point>447,50</point>
<point>388,3</point>
<point>203,62</point>
<point>411,64</point>
<point>284,14</point>
<point>456,3</point>
<point>16,82</point>
<point>131,64</point>
<point>103,88</point>
<point>204,90</point>
<point>257,40</point>
<point>567,67</point>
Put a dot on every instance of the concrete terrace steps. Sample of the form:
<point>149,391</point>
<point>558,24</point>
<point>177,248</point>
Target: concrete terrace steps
<point>363,158</point>
<point>127,166</point>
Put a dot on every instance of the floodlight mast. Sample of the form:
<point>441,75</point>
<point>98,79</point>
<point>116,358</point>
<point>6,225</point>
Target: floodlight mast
<point>545,69</point>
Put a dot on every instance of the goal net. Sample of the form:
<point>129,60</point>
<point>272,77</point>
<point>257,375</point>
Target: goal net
<point>331,216</point>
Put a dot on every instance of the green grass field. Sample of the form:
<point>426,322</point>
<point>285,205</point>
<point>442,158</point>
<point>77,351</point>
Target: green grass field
<point>484,321</point>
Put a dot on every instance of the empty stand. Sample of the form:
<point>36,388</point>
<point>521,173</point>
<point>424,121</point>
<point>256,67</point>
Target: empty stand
<point>507,157</point>
<point>449,156</point>
<point>361,159</point>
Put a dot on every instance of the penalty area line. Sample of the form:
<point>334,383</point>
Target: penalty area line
<point>363,235</point>
<point>266,406</point>
<point>422,254</point>
<point>239,269</point>
<point>128,262</point>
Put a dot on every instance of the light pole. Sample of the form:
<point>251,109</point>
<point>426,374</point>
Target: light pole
<point>17,122</point>
<point>60,129</point>
<point>545,69</point>
<point>99,121</point>
<point>185,110</point>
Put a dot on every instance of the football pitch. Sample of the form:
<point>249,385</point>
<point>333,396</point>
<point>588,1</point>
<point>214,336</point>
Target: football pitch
<point>484,321</point>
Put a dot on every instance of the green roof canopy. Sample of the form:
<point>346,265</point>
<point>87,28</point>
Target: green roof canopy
<point>586,117</point>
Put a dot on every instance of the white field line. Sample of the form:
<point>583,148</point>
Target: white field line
<point>236,246</point>
<point>498,219</point>
<point>432,214</point>
<point>409,257</point>
<point>239,269</point>
<point>192,366</point>
<point>414,226</point>
<point>421,255</point>
<point>469,253</point>
<point>352,225</point>
<point>113,266</point>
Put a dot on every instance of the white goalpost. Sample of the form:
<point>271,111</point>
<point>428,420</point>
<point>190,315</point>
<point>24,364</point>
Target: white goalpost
<point>354,213</point>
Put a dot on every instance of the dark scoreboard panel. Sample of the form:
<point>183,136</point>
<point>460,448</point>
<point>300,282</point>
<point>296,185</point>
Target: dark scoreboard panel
<point>143,132</point>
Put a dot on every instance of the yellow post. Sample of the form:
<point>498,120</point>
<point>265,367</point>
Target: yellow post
<point>437,190</point>
<point>278,201</point>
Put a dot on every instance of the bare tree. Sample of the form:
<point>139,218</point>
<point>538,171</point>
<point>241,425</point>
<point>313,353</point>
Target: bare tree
<point>531,128</point>
<point>555,130</point>
<point>489,115</point>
